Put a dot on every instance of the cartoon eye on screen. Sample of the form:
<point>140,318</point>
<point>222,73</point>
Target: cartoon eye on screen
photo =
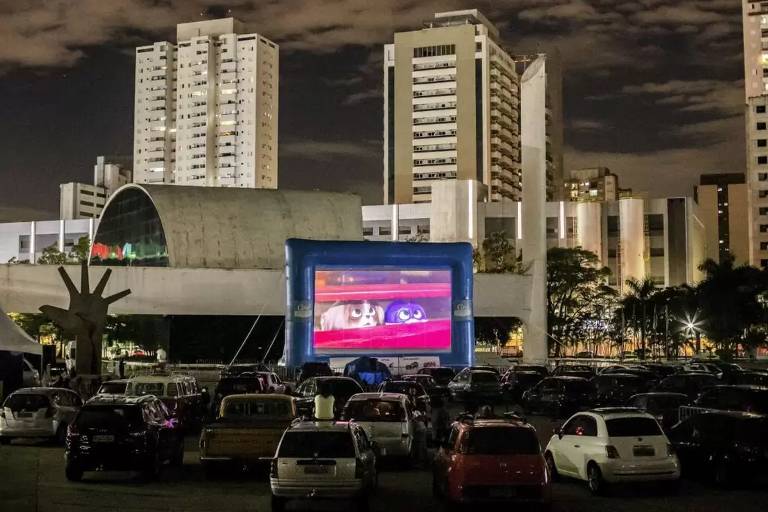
<point>382,311</point>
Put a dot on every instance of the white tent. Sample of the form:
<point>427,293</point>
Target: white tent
<point>14,339</point>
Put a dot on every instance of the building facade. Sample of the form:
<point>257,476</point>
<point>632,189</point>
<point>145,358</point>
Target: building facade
<point>593,184</point>
<point>24,242</point>
<point>662,239</point>
<point>206,108</point>
<point>451,110</point>
<point>723,201</point>
<point>85,200</point>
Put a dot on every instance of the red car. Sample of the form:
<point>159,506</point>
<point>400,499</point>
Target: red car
<point>492,460</point>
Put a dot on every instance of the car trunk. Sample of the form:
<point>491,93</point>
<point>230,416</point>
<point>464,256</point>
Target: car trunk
<point>244,439</point>
<point>317,471</point>
<point>496,470</point>
<point>27,411</point>
<point>637,438</point>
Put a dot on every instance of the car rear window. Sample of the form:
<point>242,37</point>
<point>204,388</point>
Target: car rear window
<point>149,388</point>
<point>484,377</point>
<point>27,402</point>
<point>323,445</point>
<point>374,410</point>
<point>343,387</point>
<point>112,417</point>
<point>256,409</point>
<point>112,388</point>
<point>501,441</point>
<point>632,427</point>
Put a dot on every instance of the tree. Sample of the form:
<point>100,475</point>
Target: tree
<point>578,299</point>
<point>81,249</point>
<point>498,256</point>
<point>52,256</point>
<point>636,302</point>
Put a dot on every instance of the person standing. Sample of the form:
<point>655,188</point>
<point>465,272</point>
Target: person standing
<point>441,421</point>
<point>324,402</point>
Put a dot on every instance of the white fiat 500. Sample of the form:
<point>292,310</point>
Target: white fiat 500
<point>612,445</point>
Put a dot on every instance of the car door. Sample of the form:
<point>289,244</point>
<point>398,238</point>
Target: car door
<point>560,446</point>
<point>366,455</point>
<point>443,458</point>
<point>579,438</point>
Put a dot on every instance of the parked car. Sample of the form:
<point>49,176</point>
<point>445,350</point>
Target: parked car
<point>492,460</point>
<point>323,459</point>
<point>612,445</point>
<point>441,374</point>
<point>271,383</point>
<point>245,383</point>
<point>614,389</point>
<point>574,370</point>
<point>690,384</point>
<point>747,378</point>
<point>113,387</point>
<point>341,388</point>
<point>660,369</point>
<point>38,412</point>
<point>475,386</point>
<point>723,446</point>
<point>414,391</point>
<point>247,428</point>
<point>429,385</point>
<point>644,374</point>
<point>122,433</point>
<point>558,396</point>
<point>180,393</point>
<point>729,371</point>
<point>538,368</point>
<point>484,368</point>
<point>387,418</point>
<point>662,406</point>
<point>313,369</point>
<point>515,383</point>
<point>735,398</point>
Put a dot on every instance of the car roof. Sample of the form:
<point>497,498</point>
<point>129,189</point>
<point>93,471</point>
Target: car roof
<point>115,381</point>
<point>273,397</point>
<point>332,377</point>
<point>745,387</point>
<point>393,397</point>
<point>157,378</point>
<point>567,378</point>
<point>660,393</point>
<point>618,374</point>
<point>39,391</point>
<point>120,400</point>
<point>731,414</point>
<point>609,413</point>
<point>320,426</point>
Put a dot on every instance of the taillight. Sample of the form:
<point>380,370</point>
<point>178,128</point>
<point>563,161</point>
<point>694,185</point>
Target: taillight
<point>358,468</point>
<point>670,450</point>
<point>611,452</point>
<point>72,430</point>
<point>273,468</point>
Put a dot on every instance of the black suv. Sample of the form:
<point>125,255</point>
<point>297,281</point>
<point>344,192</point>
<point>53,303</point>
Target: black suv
<point>114,432</point>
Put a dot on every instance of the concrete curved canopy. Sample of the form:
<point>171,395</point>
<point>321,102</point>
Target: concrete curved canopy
<point>205,227</point>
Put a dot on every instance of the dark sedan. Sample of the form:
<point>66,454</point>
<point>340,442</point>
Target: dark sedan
<point>691,384</point>
<point>664,406</point>
<point>558,396</point>
<point>614,389</point>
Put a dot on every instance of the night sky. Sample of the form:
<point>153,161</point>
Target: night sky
<point>652,88</point>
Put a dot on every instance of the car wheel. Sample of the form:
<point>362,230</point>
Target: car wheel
<point>73,472</point>
<point>550,460</point>
<point>595,480</point>
<point>278,503</point>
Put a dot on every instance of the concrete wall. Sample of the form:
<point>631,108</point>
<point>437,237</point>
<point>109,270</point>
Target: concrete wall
<point>632,239</point>
<point>196,291</point>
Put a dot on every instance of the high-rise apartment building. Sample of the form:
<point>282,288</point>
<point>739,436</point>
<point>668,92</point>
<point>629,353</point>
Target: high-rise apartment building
<point>724,211</point>
<point>206,108</point>
<point>592,184</point>
<point>451,110</point>
<point>755,32</point>
<point>86,200</point>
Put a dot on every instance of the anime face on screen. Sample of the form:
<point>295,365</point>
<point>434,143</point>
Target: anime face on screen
<point>382,311</point>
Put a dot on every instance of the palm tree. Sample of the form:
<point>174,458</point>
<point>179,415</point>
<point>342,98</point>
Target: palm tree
<point>638,297</point>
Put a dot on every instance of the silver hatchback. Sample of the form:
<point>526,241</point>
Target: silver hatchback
<point>38,412</point>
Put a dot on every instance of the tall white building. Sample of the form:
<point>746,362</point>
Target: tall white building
<point>755,30</point>
<point>86,200</point>
<point>206,108</point>
<point>451,109</point>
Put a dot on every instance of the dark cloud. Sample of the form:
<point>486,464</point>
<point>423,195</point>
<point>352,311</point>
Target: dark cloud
<point>651,86</point>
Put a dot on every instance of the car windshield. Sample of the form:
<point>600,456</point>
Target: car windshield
<point>148,388</point>
<point>26,402</point>
<point>112,388</point>
<point>484,377</point>
<point>323,445</point>
<point>374,410</point>
<point>501,441</point>
<point>257,409</point>
<point>632,427</point>
<point>112,417</point>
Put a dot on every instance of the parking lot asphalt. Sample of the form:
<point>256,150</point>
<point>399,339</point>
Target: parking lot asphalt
<point>32,480</point>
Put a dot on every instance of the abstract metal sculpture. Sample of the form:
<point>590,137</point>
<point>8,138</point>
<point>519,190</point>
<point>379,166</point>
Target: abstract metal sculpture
<point>85,318</point>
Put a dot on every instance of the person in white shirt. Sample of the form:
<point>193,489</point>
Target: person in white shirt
<point>324,402</point>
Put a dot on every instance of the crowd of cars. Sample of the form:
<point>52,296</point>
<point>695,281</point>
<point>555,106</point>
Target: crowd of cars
<point>623,423</point>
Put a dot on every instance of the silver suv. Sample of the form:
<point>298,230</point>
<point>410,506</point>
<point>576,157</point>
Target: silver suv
<point>38,412</point>
<point>323,459</point>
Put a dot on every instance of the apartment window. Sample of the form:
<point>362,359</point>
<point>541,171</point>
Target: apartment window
<point>367,231</point>
<point>385,230</point>
<point>434,51</point>
<point>761,126</point>
<point>764,246</point>
<point>764,228</point>
<point>761,143</point>
<point>763,211</point>
<point>760,109</point>
<point>406,230</point>
<point>762,176</point>
<point>762,193</point>
<point>762,160</point>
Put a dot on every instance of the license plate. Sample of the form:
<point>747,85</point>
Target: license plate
<point>643,451</point>
<point>501,493</point>
<point>316,470</point>
<point>103,438</point>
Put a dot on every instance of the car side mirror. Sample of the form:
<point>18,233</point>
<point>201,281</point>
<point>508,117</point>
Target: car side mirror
<point>558,432</point>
